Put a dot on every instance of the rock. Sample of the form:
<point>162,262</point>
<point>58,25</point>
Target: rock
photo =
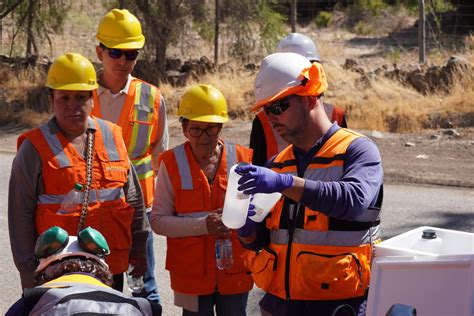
<point>376,134</point>
<point>422,156</point>
<point>410,144</point>
<point>451,132</point>
<point>435,136</point>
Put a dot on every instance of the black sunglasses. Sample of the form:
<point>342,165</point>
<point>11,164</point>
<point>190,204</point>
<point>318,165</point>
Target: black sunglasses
<point>117,53</point>
<point>277,107</point>
<point>210,131</point>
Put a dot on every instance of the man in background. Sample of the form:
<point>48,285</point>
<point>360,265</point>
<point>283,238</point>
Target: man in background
<point>136,106</point>
<point>264,141</point>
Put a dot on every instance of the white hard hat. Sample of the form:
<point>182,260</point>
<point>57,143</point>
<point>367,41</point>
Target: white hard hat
<point>278,72</point>
<point>299,44</point>
<point>71,250</point>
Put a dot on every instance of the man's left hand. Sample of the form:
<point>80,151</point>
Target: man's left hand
<point>257,179</point>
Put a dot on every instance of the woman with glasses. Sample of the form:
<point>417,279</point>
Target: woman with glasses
<point>192,181</point>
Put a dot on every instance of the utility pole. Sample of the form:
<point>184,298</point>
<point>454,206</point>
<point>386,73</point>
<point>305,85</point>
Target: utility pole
<point>421,32</point>
<point>293,15</point>
<point>216,36</point>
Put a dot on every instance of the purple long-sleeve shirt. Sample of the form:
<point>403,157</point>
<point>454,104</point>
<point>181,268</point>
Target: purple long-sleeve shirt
<point>346,198</point>
<point>358,187</point>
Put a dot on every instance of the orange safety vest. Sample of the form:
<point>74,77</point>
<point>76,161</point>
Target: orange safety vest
<point>317,257</point>
<point>191,260</point>
<point>63,166</point>
<point>138,120</point>
<point>276,144</point>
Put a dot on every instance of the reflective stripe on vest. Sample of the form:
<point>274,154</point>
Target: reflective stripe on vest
<point>185,171</point>
<point>326,238</point>
<point>143,167</point>
<point>67,298</point>
<point>55,146</point>
<point>144,103</point>
<point>101,195</point>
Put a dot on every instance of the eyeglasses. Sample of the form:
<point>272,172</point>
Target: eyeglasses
<point>277,107</point>
<point>117,53</point>
<point>210,131</point>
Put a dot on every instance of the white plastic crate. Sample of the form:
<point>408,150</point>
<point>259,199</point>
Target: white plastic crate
<point>436,278</point>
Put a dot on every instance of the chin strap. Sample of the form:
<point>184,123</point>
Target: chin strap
<point>89,159</point>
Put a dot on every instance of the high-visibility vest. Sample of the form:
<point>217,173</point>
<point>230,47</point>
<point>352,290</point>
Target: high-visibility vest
<point>63,166</point>
<point>275,143</point>
<point>138,121</point>
<point>191,260</point>
<point>314,256</point>
<point>78,293</point>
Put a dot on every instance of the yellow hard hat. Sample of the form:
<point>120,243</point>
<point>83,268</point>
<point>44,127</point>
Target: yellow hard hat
<point>72,71</point>
<point>120,29</point>
<point>203,103</point>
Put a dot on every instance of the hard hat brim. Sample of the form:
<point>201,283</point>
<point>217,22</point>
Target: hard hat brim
<point>209,119</point>
<point>137,43</point>
<point>73,87</point>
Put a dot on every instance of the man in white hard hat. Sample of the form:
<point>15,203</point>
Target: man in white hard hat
<point>315,247</point>
<point>264,141</point>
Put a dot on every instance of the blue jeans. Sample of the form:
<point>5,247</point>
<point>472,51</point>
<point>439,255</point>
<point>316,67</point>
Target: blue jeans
<point>150,288</point>
<point>226,305</point>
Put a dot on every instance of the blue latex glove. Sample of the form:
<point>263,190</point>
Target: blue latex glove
<point>257,179</point>
<point>249,226</point>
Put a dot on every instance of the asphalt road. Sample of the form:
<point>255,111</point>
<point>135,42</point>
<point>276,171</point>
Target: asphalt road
<point>405,207</point>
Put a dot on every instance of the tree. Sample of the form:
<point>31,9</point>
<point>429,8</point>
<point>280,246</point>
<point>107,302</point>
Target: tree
<point>35,19</point>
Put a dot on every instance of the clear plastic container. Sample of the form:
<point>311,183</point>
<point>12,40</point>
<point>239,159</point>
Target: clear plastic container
<point>236,204</point>
<point>224,259</point>
<point>263,204</point>
<point>135,284</point>
<point>72,202</point>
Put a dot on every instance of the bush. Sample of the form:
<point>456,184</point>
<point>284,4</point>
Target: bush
<point>362,28</point>
<point>323,19</point>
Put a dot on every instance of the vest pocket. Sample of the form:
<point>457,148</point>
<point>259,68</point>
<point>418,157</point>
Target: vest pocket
<point>184,256</point>
<point>264,267</point>
<point>323,276</point>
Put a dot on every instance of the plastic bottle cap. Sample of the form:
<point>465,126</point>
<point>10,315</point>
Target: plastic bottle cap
<point>78,186</point>
<point>429,234</point>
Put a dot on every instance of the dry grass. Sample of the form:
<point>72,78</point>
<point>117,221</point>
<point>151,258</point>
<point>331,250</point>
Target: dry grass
<point>384,105</point>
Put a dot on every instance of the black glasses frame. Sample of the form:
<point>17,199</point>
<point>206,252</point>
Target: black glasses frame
<point>277,107</point>
<point>211,130</point>
<point>115,53</point>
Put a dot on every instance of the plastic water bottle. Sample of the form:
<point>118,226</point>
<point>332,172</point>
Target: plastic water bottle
<point>236,204</point>
<point>263,204</point>
<point>429,242</point>
<point>72,201</point>
<point>224,259</point>
<point>135,283</point>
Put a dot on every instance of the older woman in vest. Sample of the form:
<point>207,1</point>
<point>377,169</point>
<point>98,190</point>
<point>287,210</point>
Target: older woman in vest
<point>192,181</point>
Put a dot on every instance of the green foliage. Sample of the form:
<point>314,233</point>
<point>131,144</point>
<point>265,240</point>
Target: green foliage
<point>35,19</point>
<point>323,19</point>
<point>373,6</point>
<point>251,26</point>
<point>362,28</point>
<point>394,55</point>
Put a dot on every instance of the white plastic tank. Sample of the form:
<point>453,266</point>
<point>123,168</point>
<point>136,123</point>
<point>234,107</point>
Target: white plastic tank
<point>434,275</point>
